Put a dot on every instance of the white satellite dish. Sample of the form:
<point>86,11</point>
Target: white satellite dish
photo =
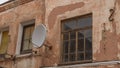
<point>39,35</point>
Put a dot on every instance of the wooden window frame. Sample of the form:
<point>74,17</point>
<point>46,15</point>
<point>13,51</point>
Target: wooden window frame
<point>29,50</point>
<point>76,30</point>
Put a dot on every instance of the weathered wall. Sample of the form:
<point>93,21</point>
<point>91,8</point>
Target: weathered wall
<point>105,44</point>
<point>106,36</point>
<point>12,18</point>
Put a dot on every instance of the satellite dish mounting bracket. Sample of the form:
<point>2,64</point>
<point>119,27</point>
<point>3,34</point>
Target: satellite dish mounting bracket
<point>47,44</point>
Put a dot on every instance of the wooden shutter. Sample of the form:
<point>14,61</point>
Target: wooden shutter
<point>4,42</point>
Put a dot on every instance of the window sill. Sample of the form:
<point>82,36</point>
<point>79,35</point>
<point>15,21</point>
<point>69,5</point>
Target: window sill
<point>112,62</point>
<point>26,55</point>
<point>23,55</point>
<point>74,62</point>
<point>3,57</point>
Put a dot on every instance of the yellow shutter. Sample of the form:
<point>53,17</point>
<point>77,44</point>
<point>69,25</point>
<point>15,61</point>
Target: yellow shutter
<point>4,42</point>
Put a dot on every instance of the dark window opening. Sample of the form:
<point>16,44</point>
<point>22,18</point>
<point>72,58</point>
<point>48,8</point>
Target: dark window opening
<point>77,39</point>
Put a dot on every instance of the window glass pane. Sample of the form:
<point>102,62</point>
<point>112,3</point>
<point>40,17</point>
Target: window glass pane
<point>88,42</point>
<point>81,56</point>
<point>80,45</point>
<point>72,35</point>
<point>66,36</point>
<point>4,42</point>
<point>27,33</point>
<point>72,46</point>
<point>72,57</point>
<point>88,33</point>
<point>88,39</point>
<point>26,45</point>
<point>65,58</point>
<point>84,21</point>
<point>81,34</point>
<point>69,25</point>
<point>88,55</point>
<point>30,45</point>
<point>32,29</point>
<point>66,44</point>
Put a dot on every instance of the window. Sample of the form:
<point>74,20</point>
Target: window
<point>4,42</point>
<point>26,45</point>
<point>77,39</point>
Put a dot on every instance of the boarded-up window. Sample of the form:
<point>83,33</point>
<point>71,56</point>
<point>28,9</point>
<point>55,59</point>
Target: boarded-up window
<point>77,39</point>
<point>26,46</point>
<point>4,42</point>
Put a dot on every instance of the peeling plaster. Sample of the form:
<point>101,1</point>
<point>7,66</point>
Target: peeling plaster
<point>61,9</point>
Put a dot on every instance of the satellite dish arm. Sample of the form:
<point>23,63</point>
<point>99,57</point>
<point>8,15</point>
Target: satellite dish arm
<point>47,44</point>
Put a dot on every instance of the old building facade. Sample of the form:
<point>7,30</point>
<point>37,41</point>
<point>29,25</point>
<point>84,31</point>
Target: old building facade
<point>82,33</point>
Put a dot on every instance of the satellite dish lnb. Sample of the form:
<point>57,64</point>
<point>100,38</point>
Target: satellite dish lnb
<point>39,35</point>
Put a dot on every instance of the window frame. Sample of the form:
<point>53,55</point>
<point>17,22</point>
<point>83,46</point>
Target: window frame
<point>20,32</point>
<point>29,50</point>
<point>79,29</point>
